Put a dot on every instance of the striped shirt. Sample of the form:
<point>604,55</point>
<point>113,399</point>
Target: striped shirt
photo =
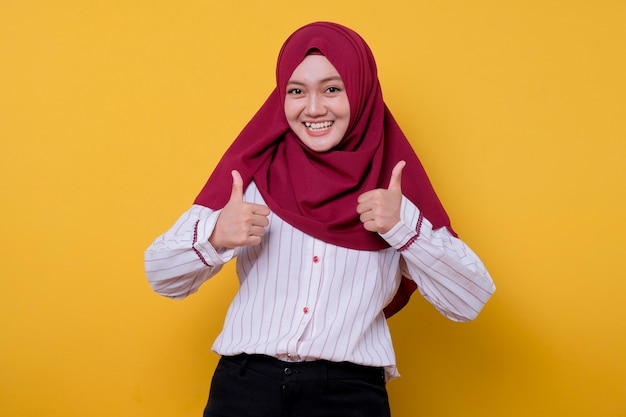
<point>303,299</point>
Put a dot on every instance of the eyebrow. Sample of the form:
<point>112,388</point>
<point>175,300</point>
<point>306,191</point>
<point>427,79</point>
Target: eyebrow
<point>325,80</point>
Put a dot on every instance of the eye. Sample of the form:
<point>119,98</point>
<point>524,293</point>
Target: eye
<point>294,91</point>
<point>333,89</point>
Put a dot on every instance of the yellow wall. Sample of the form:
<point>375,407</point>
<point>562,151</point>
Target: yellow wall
<point>112,114</point>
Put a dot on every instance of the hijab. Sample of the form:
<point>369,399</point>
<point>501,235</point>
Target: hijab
<point>316,192</point>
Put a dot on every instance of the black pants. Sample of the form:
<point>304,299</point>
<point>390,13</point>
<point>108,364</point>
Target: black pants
<point>261,386</point>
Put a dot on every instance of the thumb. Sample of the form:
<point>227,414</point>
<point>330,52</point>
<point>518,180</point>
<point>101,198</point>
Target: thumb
<point>395,183</point>
<point>237,192</point>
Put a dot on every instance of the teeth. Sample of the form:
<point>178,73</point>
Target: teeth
<point>318,126</point>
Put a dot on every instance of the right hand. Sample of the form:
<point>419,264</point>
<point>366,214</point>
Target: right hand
<point>239,223</point>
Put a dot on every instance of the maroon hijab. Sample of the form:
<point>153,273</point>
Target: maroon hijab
<point>317,192</point>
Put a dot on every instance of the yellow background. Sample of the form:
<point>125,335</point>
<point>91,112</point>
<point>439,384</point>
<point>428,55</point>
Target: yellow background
<point>113,113</point>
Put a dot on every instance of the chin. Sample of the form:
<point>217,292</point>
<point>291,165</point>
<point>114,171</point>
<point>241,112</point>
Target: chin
<point>317,147</point>
<point>320,146</point>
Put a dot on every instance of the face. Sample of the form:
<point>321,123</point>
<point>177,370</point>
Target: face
<point>316,105</point>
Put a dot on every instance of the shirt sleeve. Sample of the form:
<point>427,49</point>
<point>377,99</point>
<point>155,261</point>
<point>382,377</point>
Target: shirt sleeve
<point>447,272</point>
<point>181,259</point>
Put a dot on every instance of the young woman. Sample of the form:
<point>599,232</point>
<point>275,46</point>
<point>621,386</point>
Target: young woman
<point>333,223</point>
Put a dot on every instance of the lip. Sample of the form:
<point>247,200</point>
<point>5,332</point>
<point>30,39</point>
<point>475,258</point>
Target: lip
<point>324,130</point>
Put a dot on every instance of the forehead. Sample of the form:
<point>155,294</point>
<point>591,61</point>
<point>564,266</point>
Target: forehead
<point>314,68</point>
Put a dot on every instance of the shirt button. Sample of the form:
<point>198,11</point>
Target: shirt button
<point>316,259</point>
<point>287,371</point>
<point>305,310</point>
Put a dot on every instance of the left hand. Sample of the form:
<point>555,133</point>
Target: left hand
<point>379,209</point>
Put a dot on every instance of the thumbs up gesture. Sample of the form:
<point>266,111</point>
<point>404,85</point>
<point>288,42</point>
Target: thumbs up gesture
<point>379,209</point>
<point>239,223</point>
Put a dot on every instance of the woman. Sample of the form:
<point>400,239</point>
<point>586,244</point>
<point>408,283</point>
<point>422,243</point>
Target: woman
<point>333,223</point>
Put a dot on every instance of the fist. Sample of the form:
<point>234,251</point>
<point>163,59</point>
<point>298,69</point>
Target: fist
<point>239,223</point>
<point>379,209</point>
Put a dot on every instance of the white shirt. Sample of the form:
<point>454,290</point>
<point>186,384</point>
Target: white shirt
<point>304,299</point>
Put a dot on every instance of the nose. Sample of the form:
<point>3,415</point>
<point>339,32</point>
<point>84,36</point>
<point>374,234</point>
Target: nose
<point>315,106</point>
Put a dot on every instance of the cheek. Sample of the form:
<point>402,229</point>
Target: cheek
<point>347,107</point>
<point>342,108</point>
<point>291,113</point>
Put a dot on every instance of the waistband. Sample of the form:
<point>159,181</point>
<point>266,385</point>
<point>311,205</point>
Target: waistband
<point>319,370</point>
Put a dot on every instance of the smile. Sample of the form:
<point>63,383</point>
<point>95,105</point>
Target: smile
<point>318,127</point>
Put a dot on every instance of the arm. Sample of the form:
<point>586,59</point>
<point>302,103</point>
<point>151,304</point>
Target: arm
<point>201,241</point>
<point>182,258</point>
<point>447,272</point>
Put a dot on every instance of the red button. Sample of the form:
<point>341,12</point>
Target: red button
<point>316,259</point>
<point>306,310</point>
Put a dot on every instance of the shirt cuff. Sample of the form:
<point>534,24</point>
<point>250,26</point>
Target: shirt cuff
<point>408,229</point>
<point>205,251</point>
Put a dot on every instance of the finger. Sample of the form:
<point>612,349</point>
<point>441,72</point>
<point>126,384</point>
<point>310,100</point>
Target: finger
<point>365,217</point>
<point>255,235</point>
<point>363,206</point>
<point>395,183</point>
<point>257,231</point>
<point>237,192</point>
<point>259,220</point>
<point>369,226</point>
<point>260,209</point>
<point>365,196</point>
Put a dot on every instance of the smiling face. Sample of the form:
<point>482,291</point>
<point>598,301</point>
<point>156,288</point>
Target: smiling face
<point>316,105</point>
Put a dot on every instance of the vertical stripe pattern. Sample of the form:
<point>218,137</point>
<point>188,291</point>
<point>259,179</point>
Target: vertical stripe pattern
<point>303,299</point>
